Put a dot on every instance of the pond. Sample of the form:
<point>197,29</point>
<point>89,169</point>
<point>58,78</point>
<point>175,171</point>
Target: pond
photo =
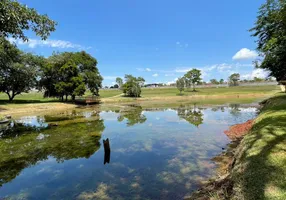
<point>155,153</point>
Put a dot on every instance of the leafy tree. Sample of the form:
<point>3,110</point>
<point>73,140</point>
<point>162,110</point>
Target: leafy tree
<point>17,18</point>
<point>70,82</point>
<point>221,81</point>
<point>233,79</point>
<point>116,86</point>
<point>18,70</point>
<point>85,67</point>
<point>180,83</point>
<point>119,81</point>
<point>270,29</point>
<point>194,77</point>
<point>132,86</point>
<point>214,81</point>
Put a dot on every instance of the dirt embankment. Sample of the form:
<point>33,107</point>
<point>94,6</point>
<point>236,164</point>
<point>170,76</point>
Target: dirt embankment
<point>35,108</point>
<point>221,187</point>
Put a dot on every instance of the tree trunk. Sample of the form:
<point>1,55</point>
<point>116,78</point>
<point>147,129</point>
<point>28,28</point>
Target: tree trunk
<point>66,97</point>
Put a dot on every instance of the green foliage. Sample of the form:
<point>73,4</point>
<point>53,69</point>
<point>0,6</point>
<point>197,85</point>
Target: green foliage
<point>68,74</point>
<point>180,83</point>
<point>270,29</point>
<point>221,81</point>
<point>64,142</point>
<point>119,81</point>
<point>17,18</point>
<point>132,86</point>
<point>194,77</point>
<point>214,81</point>
<point>233,79</point>
<point>133,116</point>
<point>192,115</point>
<point>18,70</point>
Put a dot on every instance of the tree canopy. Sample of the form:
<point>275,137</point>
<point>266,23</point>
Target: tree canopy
<point>68,74</point>
<point>194,77</point>
<point>270,29</point>
<point>132,85</point>
<point>234,79</point>
<point>16,18</point>
<point>18,70</point>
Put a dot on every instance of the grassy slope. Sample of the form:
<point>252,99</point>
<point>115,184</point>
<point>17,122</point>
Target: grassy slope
<point>152,92</point>
<point>260,171</point>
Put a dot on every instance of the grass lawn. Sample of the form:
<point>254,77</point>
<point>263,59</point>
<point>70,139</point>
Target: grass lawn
<point>155,92</point>
<point>37,97</point>
<point>260,172</point>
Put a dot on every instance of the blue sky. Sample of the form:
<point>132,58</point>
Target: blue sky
<point>156,39</point>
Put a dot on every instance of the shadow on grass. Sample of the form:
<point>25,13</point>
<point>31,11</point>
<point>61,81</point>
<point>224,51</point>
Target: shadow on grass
<point>264,159</point>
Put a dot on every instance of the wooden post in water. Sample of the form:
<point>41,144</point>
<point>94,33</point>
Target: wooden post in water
<point>106,151</point>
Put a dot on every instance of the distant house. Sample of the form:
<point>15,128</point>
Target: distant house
<point>153,85</point>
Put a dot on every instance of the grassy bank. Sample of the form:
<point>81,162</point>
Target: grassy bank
<point>151,97</point>
<point>260,169</point>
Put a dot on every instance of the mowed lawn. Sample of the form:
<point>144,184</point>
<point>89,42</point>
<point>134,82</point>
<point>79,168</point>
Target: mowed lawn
<point>37,97</point>
<point>154,92</point>
<point>260,170</point>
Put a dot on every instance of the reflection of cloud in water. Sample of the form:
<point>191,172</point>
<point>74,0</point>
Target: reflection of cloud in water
<point>100,193</point>
<point>137,147</point>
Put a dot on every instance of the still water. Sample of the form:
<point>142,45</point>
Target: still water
<point>155,153</point>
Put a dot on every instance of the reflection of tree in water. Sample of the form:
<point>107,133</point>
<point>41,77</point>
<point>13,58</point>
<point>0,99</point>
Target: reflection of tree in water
<point>69,141</point>
<point>234,110</point>
<point>192,115</point>
<point>133,115</point>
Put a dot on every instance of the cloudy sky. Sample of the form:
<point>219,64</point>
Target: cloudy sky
<point>157,39</point>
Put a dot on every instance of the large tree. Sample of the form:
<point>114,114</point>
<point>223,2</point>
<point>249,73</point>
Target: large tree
<point>234,79</point>
<point>132,85</point>
<point>270,29</point>
<point>16,19</point>
<point>194,77</point>
<point>86,71</point>
<point>18,70</point>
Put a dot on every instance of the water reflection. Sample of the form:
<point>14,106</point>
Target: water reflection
<point>69,141</point>
<point>193,114</point>
<point>133,115</point>
<point>167,156</point>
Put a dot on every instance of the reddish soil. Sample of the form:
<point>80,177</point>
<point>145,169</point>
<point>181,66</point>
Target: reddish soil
<point>239,130</point>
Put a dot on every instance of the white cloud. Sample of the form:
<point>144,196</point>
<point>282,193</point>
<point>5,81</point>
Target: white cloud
<point>245,54</point>
<point>155,75</point>
<point>259,73</point>
<point>144,70</point>
<point>33,43</point>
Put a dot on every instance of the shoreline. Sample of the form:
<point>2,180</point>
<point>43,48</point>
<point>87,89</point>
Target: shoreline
<point>221,186</point>
<point>107,103</point>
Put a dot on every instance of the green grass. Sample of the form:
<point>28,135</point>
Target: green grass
<point>32,97</point>
<point>260,172</point>
<point>152,92</point>
<point>37,97</point>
